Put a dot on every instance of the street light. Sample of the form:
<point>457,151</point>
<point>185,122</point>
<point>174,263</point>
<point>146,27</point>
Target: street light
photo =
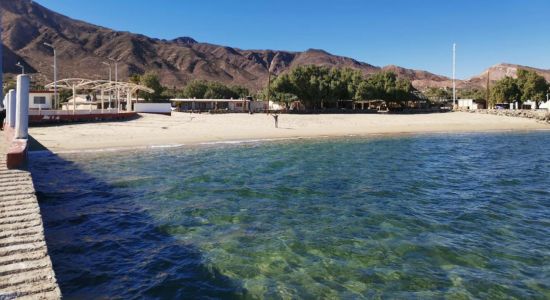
<point>269,84</point>
<point>54,74</point>
<point>108,65</point>
<point>117,93</point>
<point>116,61</point>
<point>21,66</point>
<point>110,81</point>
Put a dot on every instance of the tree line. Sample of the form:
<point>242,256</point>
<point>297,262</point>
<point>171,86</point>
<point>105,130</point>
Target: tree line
<point>321,87</point>
<point>315,86</point>
<point>199,89</point>
<point>528,85</point>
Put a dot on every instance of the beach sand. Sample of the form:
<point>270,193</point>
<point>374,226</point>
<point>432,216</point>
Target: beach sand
<point>187,129</point>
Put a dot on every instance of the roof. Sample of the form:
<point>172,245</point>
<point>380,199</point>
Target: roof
<point>80,83</point>
<point>41,92</point>
<point>209,100</point>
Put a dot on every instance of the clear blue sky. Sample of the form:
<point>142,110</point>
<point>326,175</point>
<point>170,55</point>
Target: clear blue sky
<point>410,33</point>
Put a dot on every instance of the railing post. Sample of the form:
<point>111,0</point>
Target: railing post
<point>22,107</point>
<point>12,108</point>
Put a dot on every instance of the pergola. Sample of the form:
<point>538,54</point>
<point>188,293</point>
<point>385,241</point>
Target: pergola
<point>103,86</point>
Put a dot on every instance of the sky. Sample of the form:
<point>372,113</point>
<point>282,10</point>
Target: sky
<point>414,34</point>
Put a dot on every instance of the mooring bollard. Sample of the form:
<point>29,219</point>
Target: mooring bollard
<point>11,109</point>
<point>22,111</point>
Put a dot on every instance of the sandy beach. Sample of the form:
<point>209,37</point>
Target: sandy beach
<point>187,129</point>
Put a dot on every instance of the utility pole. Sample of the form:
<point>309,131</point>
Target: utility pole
<point>56,100</point>
<point>268,88</point>
<point>110,83</point>
<point>117,94</point>
<point>116,61</point>
<point>488,89</point>
<point>454,74</point>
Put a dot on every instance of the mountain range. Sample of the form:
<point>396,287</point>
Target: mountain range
<point>83,47</point>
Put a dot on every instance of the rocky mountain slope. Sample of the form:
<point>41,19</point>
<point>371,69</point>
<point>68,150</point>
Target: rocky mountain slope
<point>499,71</point>
<point>82,47</point>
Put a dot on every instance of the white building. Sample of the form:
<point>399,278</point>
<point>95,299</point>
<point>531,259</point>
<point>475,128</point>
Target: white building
<point>533,105</point>
<point>41,100</point>
<point>471,104</point>
<point>229,105</point>
<point>91,102</point>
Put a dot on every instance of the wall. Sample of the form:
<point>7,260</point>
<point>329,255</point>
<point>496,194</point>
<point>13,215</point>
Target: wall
<point>159,108</point>
<point>47,105</point>
<point>541,115</point>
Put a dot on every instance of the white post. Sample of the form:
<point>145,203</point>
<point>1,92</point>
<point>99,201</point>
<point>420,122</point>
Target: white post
<point>74,99</point>
<point>6,103</point>
<point>55,100</point>
<point>1,67</point>
<point>12,107</point>
<point>128,101</point>
<point>102,102</point>
<point>22,114</point>
<point>454,74</point>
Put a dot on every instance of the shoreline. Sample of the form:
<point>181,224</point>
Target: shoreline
<point>182,129</point>
<point>268,140</point>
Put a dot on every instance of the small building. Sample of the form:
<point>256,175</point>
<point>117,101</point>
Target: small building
<point>529,104</point>
<point>205,105</point>
<point>221,105</point>
<point>41,100</point>
<point>378,105</point>
<point>471,104</point>
<point>91,102</point>
<point>82,102</point>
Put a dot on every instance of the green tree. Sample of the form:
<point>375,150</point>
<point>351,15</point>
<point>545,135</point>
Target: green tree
<point>9,85</point>
<point>218,90</point>
<point>195,89</point>
<point>505,90</point>
<point>473,93</point>
<point>151,80</point>
<point>322,87</point>
<point>310,85</point>
<point>532,86</point>
<point>438,94</point>
<point>240,91</point>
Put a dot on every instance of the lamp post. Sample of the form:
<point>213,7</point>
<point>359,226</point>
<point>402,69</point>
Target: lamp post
<point>454,75</point>
<point>56,100</point>
<point>268,85</point>
<point>117,93</point>
<point>22,67</point>
<point>110,82</point>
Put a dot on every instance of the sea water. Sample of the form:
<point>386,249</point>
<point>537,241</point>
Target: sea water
<point>424,216</point>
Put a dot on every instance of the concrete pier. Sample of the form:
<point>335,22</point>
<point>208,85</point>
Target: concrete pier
<point>26,270</point>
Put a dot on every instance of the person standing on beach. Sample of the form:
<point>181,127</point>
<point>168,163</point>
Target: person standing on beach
<point>276,118</point>
<point>2,116</point>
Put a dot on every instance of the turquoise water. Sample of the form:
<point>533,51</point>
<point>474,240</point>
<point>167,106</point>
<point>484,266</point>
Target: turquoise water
<point>429,216</point>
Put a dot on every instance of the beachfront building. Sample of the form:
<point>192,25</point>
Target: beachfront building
<point>87,102</point>
<point>105,94</point>
<point>41,100</point>
<point>533,105</point>
<point>471,104</point>
<point>221,105</point>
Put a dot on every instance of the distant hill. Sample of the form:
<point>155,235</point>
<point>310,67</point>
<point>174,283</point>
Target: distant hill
<point>83,46</point>
<point>499,71</point>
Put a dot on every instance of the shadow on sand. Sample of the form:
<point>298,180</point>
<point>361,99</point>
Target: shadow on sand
<point>104,245</point>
